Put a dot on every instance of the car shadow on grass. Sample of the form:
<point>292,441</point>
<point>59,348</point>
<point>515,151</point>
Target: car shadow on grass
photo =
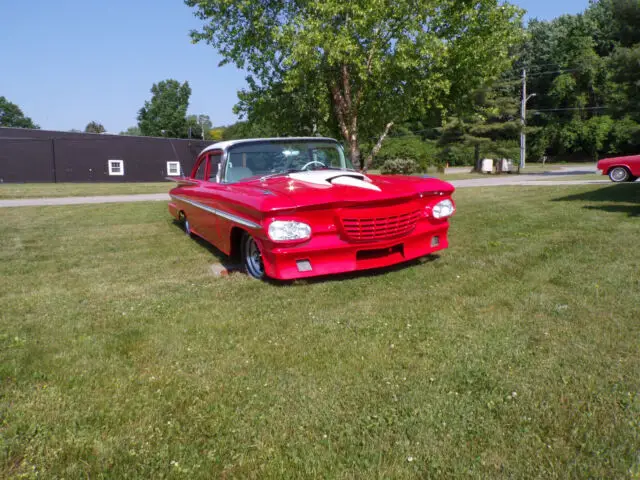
<point>621,198</point>
<point>232,266</point>
<point>219,256</point>
<point>340,277</point>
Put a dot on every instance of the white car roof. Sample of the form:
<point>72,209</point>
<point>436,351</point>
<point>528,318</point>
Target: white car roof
<point>228,143</point>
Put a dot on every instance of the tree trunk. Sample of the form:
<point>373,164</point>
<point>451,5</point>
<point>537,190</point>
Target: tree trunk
<point>376,148</point>
<point>346,111</point>
<point>478,163</point>
<point>354,151</point>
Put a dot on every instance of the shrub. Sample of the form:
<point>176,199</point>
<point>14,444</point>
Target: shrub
<point>399,166</point>
<point>423,152</point>
<point>458,155</point>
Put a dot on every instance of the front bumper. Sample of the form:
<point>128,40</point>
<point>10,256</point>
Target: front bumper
<point>330,254</point>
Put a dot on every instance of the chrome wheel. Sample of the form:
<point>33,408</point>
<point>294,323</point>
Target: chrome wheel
<point>619,174</point>
<point>253,258</point>
<point>187,226</point>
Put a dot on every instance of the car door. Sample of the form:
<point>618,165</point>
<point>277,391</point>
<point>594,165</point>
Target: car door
<point>205,197</point>
<point>213,191</point>
<point>195,207</point>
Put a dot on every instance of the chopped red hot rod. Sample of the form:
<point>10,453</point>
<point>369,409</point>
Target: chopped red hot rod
<point>290,208</point>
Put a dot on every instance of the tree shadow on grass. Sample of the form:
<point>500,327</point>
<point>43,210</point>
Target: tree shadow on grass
<point>624,198</point>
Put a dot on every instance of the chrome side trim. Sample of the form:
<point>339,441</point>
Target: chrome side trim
<point>219,213</point>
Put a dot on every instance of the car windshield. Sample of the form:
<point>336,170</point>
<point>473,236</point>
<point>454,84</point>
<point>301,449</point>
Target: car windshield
<point>270,158</point>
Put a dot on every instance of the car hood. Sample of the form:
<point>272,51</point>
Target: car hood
<point>339,188</point>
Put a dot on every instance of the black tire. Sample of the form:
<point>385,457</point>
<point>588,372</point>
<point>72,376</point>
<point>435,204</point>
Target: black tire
<point>185,223</point>
<point>619,175</point>
<point>632,179</point>
<point>252,258</point>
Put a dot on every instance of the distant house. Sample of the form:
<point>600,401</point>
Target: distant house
<point>48,156</point>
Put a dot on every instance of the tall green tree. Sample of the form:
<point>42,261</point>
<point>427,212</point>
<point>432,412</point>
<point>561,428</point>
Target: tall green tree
<point>199,124</point>
<point>586,71</point>
<point>12,116</point>
<point>489,129</point>
<point>165,114</point>
<point>132,131</point>
<point>358,67</point>
<point>94,127</point>
<point>244,129</point>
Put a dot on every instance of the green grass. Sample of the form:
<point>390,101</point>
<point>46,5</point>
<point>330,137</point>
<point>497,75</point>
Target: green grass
<point>514,354</point>
<point>534,167</point>
<point>586,177</point>
<point>43,190</point>
<point>539,177</point>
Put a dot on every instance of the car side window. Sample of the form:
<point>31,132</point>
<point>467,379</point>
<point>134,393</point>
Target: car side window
<point>201,168</point>
<point>214,167</point>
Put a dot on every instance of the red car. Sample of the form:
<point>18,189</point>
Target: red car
<point>290,208</point>
<point>621,169</point>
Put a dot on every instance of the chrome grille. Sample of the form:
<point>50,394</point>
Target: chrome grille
<point>379,228</point>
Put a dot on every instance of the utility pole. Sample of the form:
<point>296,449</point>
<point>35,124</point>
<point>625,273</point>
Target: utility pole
<point>523,120</point>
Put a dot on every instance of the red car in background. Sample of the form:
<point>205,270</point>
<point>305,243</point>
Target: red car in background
<point>290,208</point>
<point>621,169</point>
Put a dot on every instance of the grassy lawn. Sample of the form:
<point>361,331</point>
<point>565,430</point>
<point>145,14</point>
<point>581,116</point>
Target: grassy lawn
<point>514,354</point>
<point>532,167</point>
<point>586,176</point>
<point>515,176</point>
<point>41,190</point>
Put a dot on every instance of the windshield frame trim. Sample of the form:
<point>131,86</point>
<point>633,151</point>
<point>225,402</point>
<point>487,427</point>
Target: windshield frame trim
<point>227,150</point>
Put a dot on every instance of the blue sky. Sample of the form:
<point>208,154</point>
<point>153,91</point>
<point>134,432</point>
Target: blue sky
<point>68,62</point>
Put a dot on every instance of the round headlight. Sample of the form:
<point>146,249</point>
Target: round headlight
<point>281,231</point>
<point>443,209</point>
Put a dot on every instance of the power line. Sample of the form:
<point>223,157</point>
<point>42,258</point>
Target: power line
<point>567,109</point>
<point>538,65</point>
<point>513,80</point>
<point>571,70</point>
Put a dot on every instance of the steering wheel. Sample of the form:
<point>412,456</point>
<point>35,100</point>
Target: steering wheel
<point>304,167</point>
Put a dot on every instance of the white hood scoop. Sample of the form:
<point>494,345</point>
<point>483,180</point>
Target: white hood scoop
<point>336,177</point>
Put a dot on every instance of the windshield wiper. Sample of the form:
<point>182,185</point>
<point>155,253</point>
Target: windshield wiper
<point>285,172</point>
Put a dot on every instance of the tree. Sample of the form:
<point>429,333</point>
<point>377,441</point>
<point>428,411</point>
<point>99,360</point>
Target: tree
<point>584,69</point>
<point>132,131</point>
<point>94,127</point>
<point>11,116</point>
<point>489,129</point>
<point>165,114</point>
<point>197,124</point>
<point>216,133</point>
<point>358,67</point>
<point>242,129</point>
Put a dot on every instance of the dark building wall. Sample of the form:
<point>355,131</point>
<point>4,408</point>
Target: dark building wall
<point>46,156</point>
<point>26,160</point>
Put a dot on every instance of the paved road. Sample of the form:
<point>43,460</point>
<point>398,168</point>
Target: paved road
<point>41,202</point>
<point>485,181</point>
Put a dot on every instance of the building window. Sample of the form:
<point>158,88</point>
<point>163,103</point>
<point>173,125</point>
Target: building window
<point>116,167</point>
<point>173,169</point>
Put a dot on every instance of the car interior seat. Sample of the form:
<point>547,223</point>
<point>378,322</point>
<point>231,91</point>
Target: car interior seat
<point>235,174</point>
